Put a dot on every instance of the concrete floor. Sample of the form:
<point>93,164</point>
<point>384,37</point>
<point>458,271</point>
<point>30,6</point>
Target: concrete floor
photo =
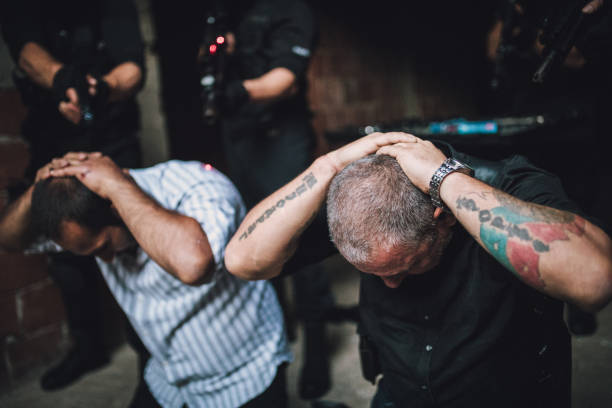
<point>112,386</point>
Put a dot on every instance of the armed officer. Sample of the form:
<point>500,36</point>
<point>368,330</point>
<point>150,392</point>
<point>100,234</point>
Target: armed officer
<point>576,94</point>
<point>268,138</point>
<point>78,67</point>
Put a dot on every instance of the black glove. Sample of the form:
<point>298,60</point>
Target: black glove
<point>102,92</point>
<point>68,76</point>
<point>71,76</point>
<point>234,96</point>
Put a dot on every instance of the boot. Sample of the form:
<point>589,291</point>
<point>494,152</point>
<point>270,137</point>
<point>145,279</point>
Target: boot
<point>83,357</point>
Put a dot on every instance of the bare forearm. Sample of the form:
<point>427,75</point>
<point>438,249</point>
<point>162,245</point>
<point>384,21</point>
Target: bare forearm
<point>553,251</point>
<point>269,234</point>
<point>124,80</point>
<point>273,85</point>
<point>38,64</point>
<point>176,242</point>
<point>14,224</point>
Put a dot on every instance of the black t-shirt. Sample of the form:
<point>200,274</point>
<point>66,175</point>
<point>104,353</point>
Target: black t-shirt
<point>273,34</point>
<point>66,27</point>
<point>469,332</point>
<point>96,35</point>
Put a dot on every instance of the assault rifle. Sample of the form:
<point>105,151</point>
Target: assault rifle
<point>212,62</point>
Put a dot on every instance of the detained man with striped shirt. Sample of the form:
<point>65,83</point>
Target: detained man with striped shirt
<point>159,236</point>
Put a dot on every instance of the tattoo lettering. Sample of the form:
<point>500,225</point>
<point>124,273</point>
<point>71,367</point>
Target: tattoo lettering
<point>516,233</point>
<point>309,181</point>
<point>540,246</point>
<point>484,216</point>
<point>467,203</point>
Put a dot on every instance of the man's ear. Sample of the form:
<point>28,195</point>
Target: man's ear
<point>437,213</point>
<point>444,218</point>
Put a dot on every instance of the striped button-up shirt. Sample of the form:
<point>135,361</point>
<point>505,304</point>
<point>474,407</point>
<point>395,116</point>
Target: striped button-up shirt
<point>214,345</point>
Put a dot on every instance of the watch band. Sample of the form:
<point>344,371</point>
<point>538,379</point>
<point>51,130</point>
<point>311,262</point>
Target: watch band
<point>449,166</point>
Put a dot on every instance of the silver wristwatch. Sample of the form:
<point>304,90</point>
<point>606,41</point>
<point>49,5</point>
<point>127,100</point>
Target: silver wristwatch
<point>449,166</point>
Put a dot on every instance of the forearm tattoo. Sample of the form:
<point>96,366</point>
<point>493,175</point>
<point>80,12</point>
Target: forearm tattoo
<point>516,232</point>
<point>308,181</point>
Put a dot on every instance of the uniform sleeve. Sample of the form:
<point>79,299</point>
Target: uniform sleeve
<point>292,40</point>
<point>21,23</point>
<point>218,208</point>
<point>120,28</point>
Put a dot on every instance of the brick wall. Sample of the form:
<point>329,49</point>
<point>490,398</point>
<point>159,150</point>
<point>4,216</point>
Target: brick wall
<point>384,61</point>
<point>32,318</point>
<point>352,82</point>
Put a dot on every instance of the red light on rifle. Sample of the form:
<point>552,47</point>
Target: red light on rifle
<point>220,40</point>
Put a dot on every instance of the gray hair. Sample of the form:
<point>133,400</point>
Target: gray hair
<point>372,203</point>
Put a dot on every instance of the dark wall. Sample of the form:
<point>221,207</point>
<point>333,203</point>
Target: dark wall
<point>375,61</point>
<point>378,61</point>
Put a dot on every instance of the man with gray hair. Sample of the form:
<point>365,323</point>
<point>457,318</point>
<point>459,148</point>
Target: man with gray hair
<point>372,204</point>
<point>446,324</point>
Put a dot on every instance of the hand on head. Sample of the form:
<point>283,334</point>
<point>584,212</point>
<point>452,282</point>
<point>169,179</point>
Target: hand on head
<point>364,146</point>
<point>418,158</point>
<point>96,171</point>
<point>61,162</point>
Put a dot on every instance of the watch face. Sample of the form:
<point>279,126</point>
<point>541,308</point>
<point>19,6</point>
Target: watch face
<point>458,166</point>
<point>454,164</point>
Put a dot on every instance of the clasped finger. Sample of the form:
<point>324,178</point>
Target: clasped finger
<point>74,170</point>
<point>59,163</point>
<point>76,155</point>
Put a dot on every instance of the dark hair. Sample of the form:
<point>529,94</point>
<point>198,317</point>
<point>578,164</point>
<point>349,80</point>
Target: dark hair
<point>58,199</point>
<point>372,203</point>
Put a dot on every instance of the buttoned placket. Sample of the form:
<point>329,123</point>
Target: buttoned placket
<point>424,365</point>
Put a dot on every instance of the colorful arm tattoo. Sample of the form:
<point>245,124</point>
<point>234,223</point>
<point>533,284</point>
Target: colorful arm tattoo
<point>516,232</point>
